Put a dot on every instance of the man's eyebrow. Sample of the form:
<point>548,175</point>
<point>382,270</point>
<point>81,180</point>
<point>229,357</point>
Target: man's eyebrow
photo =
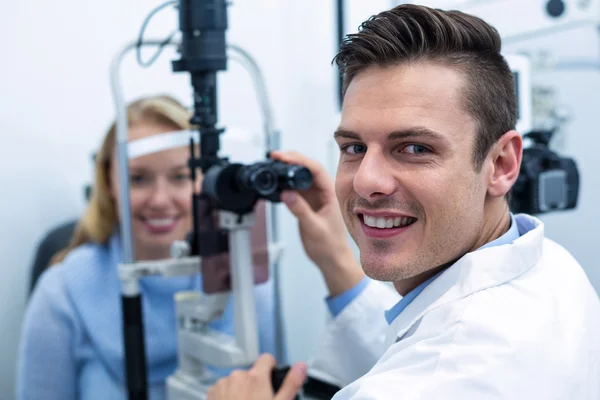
<point>342,133</point>
<point>417,132</point>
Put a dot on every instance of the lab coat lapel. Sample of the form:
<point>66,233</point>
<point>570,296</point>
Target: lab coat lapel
<point>475,271</point>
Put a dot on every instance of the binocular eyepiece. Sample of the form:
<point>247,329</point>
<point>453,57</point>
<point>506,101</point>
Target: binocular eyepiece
<point>237,187</point>
<point>268,179</point>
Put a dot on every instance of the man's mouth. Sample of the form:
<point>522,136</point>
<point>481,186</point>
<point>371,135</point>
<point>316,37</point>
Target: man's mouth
<point>384,225</point>
<point>387,222</point>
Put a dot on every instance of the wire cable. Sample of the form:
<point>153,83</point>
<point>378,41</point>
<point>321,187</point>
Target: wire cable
<point>162,45</point>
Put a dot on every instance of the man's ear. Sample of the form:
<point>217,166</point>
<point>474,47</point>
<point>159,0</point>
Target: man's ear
<point>506,156</point>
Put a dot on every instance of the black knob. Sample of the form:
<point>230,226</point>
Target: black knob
<point>555,8</point>
<point>277,377</point>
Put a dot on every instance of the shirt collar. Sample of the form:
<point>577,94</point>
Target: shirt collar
<point>393,312</point>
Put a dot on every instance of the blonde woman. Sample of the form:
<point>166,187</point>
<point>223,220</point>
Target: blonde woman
<point>71,345</point>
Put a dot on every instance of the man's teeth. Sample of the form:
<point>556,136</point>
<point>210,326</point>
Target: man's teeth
<point>159,222</point>
<point>382,223</point>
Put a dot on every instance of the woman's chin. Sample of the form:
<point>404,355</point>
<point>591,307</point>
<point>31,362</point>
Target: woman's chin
<point>157,245</point>
<point>153,250</point>
<point>157,242</point>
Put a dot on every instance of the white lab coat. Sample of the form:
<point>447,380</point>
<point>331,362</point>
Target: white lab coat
<point>517,321</point>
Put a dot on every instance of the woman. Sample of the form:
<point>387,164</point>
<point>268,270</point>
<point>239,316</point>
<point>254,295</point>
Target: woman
<point>72,344</point>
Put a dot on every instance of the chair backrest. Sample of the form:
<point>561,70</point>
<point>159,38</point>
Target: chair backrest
<point>54,241</point>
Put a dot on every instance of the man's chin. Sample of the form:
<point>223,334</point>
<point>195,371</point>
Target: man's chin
<point>379,271</point>
<point>384,269</point>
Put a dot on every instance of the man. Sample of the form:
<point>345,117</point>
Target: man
<point>490,308</point>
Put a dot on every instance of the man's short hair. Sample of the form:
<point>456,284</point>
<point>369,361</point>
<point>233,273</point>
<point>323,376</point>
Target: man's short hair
<point>411,33</point>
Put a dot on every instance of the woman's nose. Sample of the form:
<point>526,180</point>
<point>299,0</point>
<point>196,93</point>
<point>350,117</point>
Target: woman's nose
<point>160,195</point>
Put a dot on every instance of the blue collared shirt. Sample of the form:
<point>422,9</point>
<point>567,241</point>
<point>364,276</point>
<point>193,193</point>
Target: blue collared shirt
<point>338,303</point>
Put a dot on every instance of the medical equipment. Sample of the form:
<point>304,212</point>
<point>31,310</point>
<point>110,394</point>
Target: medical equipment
<point>547,182</point>
<point>230,192</point>
<point>197,343</point>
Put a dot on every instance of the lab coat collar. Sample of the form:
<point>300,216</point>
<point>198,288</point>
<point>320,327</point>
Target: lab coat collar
<point>475,271</point>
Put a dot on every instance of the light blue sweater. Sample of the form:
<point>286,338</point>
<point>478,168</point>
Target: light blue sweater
<point>72,342</point>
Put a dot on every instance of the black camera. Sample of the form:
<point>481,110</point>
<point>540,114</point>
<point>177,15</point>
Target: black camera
<point>547,181</point>
<point>237,187</point>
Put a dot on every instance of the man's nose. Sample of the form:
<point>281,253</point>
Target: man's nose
<point>374,177</point>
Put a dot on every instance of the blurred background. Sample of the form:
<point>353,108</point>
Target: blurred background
<point>56,104</point>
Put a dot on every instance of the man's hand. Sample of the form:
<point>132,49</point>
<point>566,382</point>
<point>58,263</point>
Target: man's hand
<point>322,227</point>
<point>255,384</point>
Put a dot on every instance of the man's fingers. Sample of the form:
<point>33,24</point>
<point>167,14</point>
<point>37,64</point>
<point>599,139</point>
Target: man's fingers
<point>296,158</point>
<point>264,364</point>
<point>292,383</point>
<point>216,391</point>
<point>297,205</point>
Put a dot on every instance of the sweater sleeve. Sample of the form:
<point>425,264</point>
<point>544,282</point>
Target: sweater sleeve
<point>46,362</point>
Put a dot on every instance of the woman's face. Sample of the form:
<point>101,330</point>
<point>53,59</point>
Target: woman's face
<point>161,192</point>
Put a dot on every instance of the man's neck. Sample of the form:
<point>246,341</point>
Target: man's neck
<point>496,223</point>
<point>405,286</point>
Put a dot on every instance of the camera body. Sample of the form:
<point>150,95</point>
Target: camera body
<point>547,181</point>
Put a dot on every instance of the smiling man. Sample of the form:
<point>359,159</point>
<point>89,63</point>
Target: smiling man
<point>413,182</point>
<point>489,308</point>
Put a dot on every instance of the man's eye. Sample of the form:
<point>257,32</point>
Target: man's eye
<point>416,149</point>
<point>355,149</point>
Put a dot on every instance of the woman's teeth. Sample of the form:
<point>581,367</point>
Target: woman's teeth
<point>382,223</point>
<point>160,222</point>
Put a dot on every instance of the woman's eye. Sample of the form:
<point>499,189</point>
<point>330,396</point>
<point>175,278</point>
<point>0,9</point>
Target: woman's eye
<point>138,179</point>
<point>416,149</point>
<point>355,149</point>
<point>181,178</point>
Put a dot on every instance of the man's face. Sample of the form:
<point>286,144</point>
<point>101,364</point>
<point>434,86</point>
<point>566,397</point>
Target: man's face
<point>406,182</point>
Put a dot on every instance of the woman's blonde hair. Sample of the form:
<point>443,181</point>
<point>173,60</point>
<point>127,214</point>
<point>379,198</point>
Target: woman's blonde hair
<point>100,218</point>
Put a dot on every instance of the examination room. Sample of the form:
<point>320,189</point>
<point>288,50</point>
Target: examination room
<point>262,199</point>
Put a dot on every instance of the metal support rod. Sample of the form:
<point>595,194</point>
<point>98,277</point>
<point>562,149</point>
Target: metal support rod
<point>242,279</point>
<point>122,142</point>
<point>131,300</point>
<point>341,32</point>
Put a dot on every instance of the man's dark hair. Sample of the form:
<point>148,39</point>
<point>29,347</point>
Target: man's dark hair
<point>411,33</point>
